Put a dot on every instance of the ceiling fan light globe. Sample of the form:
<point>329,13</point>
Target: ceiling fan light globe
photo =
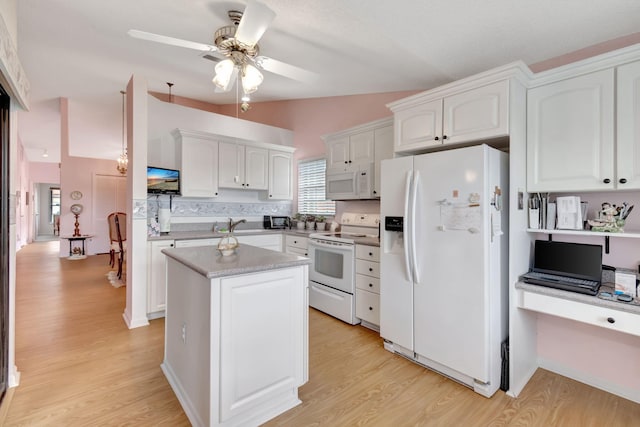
<point>251,78</point>
<point>224,71</point>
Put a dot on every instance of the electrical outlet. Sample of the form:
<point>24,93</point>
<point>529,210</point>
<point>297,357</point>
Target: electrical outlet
<point>184,333</point>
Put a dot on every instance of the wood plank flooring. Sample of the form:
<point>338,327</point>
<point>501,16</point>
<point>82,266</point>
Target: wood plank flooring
<point>81,366</point>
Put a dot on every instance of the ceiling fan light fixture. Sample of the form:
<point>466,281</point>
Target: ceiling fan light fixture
<point>224,71</point>
<point>251,78</point>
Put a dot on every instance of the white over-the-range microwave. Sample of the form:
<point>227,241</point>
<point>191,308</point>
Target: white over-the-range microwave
<point>356,183</point>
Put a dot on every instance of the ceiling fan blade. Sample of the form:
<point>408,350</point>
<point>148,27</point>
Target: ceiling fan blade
<point>255,20</point>
<point>171,41</point>
<point>286,70</point>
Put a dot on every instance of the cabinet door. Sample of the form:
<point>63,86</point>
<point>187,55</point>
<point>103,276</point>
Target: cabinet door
<point>383,149</point>
<point>280,175</point>
<point>199,177</point>
<point>418,127</point>
<point>361,148</point>
<point>338,153</point>
<point>157,275</point>
<point>256,168</point>
<point>628,139</point>
<point>570,134</point>
<point>231,165</point>
<point>476,114</point>
<point>262,338</point>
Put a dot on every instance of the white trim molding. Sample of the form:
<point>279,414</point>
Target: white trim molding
<point>11,69</point>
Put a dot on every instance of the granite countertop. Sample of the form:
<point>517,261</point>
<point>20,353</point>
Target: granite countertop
<point>248,259</point>
<point>631,307</point>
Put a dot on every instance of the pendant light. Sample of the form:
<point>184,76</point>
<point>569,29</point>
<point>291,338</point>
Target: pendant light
<point>123,161</point>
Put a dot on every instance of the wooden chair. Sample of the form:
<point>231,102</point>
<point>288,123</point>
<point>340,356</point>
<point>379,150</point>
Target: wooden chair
<point>121,246</point>
<point>117,238</point>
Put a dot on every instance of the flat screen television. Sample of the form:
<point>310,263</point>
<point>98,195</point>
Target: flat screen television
<point>163,181</point>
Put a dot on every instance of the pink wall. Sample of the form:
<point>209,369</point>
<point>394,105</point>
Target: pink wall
<point>44,172</point>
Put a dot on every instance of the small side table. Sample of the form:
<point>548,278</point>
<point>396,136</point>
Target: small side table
<point>77,251</point>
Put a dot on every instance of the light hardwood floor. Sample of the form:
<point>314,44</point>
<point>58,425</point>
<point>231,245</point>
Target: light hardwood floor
<point>81,366</point>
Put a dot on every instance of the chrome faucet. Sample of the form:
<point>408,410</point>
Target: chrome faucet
<point>232,225</point>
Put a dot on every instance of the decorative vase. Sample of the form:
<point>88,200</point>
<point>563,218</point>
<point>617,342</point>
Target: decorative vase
<point>310,225</point>
<point>300,225</point>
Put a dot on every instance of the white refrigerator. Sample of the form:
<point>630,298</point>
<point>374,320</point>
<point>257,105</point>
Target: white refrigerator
<point>444,262</point>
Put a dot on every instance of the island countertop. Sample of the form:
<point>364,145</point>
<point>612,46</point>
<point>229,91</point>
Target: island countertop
<point>207,260</point>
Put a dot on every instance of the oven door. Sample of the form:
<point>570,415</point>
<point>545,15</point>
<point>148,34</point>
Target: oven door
<point>332,264</point>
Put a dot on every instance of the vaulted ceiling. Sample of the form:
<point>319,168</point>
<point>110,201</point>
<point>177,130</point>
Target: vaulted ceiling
<point>79,49</point>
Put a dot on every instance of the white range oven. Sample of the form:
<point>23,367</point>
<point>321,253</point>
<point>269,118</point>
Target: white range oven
<point>332,275</point>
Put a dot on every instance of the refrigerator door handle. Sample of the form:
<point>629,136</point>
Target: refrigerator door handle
<point>414,202</point>
<point>405,227</point>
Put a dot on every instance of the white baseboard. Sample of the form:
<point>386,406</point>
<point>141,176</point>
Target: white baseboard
<point>609,387</point>
<point>515,390</point>
<point>131,324</point>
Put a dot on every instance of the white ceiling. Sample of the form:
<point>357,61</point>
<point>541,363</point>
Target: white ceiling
<point>79,49</point>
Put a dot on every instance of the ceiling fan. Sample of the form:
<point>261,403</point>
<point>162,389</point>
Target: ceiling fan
<point>237,44</point>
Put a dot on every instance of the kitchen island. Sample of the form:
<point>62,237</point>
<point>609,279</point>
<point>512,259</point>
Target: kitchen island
<point>236,333</point>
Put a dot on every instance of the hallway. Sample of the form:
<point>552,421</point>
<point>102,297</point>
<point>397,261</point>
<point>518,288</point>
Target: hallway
<point>79,363</point>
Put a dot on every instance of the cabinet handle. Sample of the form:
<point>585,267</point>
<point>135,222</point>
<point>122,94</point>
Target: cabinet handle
<point>444,137</point>
<point>349,161</point>
<point>270,195</point>
<point>436,138</point>
<point>623,181</point>
<point>371,285</point>
<point>370,253</point>
<point>375,192</point>
<point>247,185</point>
<point>370,308</point>
<point>295,241</point>
<point>606,181</point>
<point>345,162</point>
<point>611,320</point>
<point>306,254</point>
<point>216,193</point>
<point>171,245</point>
<point>370,269</point>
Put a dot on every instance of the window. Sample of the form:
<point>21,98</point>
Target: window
<point>54,206</point>
<point>311,188</point>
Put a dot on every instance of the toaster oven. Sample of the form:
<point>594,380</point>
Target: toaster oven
<point>271,221</point>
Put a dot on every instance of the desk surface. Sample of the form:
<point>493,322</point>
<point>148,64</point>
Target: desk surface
<point>83,236</point>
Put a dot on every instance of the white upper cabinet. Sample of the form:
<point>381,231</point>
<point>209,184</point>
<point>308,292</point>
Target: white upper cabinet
<point>475,114</point>
<point>353,159</point>
<point>243,166</point>
<point>280,175</point>
<point>583,133</point>
<point>383,149</point>
<point>628,135</point>
<point>346,153</point>
<point>199,163</point>
<point>419,127</point>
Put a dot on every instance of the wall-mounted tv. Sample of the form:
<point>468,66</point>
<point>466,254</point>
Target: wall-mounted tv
<point>163,181</point>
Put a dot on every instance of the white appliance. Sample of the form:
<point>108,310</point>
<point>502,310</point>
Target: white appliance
<point>354,182</point>
<point>443,279</point>
<point>332,275</point>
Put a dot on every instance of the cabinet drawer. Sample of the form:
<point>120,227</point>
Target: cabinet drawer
<point>368,306</point>
<point>197,242</point>
<point>297,241</point>
<point>297,251</point>
<point>368,283</point>
<point>371,253</point>
<point>369,268</point>
<point>628,323</point>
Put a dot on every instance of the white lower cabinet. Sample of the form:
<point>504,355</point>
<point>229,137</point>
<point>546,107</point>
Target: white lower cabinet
<point>265,241</point>
<point>368,285</point>
<point>296,245</point>
<point>157,277</point>
<point>236,347</point>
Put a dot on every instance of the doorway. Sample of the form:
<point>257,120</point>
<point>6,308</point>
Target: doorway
<point>46,211</point>
<point>4,241</point>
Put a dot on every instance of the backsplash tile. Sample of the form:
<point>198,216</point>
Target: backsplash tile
<point>196,208</point>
